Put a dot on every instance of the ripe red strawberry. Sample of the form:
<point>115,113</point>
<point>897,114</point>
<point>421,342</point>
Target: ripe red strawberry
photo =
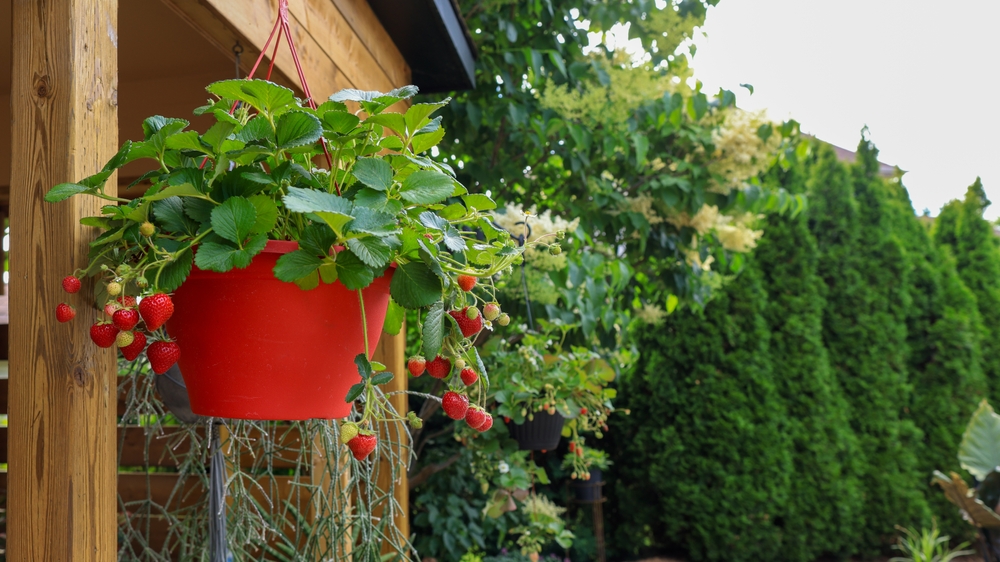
<point>125,319</point>
<point>132,350</point>
<point>468,376</point>
<point>439,367</point>
<point>127,302</point>
<point>466,282</point>
<point>572,446</point>
<point>65,312</point>
<point>71,284</point>
<point>468,326</point>
<point>455,405</point>
<point>162,355</point>
<point>416,365</point>
<point>487,424</point>
<point>362,445</point>
<point>583,411</point>
<point>475,417</point>
<point>103,334</point>
<point>156,310</point>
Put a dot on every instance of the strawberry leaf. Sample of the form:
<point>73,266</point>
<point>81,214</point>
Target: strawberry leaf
<point>234,219</point>
<point>383,377</point>
<point>376,173</point>
<point>414,285</point>
<point>394,317</point>
<point>364,366</point>
<point>352,272</point>
<point>371,250</point>
<point>295,265</point>
<point>355,391</point>
<point>425,187</point>
<point>433,329</point>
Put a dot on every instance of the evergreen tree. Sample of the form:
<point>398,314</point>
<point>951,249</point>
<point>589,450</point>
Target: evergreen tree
<point>944,359</point>
<point>701,462</point>
<point>825,499</point>
<point>864,327</point>
<point>963,230</point>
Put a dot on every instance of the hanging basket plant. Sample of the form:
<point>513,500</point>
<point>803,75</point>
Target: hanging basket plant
<point>269,278</point>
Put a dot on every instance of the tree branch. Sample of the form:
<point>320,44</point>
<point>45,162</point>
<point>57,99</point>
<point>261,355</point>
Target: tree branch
<point>429,470</point>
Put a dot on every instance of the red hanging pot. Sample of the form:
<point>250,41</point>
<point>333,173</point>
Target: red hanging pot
<point>255,347</point>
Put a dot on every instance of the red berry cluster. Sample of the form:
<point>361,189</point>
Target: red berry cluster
<point>126,312</point>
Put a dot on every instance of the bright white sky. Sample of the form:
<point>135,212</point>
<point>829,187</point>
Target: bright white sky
<point>922,75</point>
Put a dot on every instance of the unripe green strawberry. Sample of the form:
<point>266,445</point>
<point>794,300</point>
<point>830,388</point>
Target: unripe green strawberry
<point>348,431</point>
<point>472,313</point>
<point>147,229</point>
<point>491,311</point>
<point>504,319</point>
<point>555,250</point>
<point>124,339</point>
<point>459,364</point>
<point>141,282</point>
<point>123,269</point>
<point>114,288</point>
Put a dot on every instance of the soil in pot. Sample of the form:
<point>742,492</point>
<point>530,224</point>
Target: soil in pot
<point>541,433</point>
<point>255,347</point>
<point>588,491</point>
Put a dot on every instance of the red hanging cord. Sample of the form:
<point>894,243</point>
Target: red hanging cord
<point>281,27</point>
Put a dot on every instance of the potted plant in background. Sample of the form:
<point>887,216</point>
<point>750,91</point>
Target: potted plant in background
<point>586,466</point>
<point>539,392</point>
<point>282,270</point>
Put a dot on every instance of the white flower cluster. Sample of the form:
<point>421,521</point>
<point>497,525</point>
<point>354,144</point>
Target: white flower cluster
<point>735,233</point>
<point>739,151</point>
<point>651,314</point>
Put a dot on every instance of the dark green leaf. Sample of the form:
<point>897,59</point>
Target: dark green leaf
<point>182,190</point>
<point>364,366</point>
<point>298,128</point>
<point>341,121</point>
<point>63,191</point>
<point>414,285</point>
<point>234,219</point>
<point>376,173</point>
<point>433,329</point>
<point>373,222</point>
<point>383,378</point>
<point>120,158</point>
<point>371,250</point>
<point>267,214</point>
<point>173,274</point>
<point>355,392</point>
<point>352,272</point>
<point>394,317</point>
<point>262,95</point>
<point>295,265</point>
<point>170,216</point>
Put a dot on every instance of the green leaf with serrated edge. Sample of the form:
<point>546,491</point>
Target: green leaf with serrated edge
<point>383,378</point>
<point>316,240</point>
<point>425,187</point>
<point>294,265</point>
<point>234,219</point>
<point>169,214</point>
<point>97,180</point>
<point>370,199</point>
<point>391,142</point>
<point>199,210</point>
<point>63,191</point>
<point>374,222</point>
<point>376,366</point>
<point>341,122</point>
<point>364,367</point>
<point>421,143</point>
<point>371,250</point>
<point>140,213</point>
<point>352,272</point>
<point>119,159</point>
<point>394,317</point>
<point>418,114</point>
<point>173,273</point>
<point>182,190</point>
<point>302,200</point>
<point>262,95</point>
<point>257,129</point>
<point>433,126</point>
<point>414,285</point>
<point>188,140</point>
<point>452,212</point>
<point>392,121</point>
<point>376,173</point>
<point>355,392</point>
<point>297,128</point>
<point>267,214</point>
<point>433,329</point>
<point>479,202</point>
<point>99,222</point>
<point>212,256</point>
<point>432,262</point>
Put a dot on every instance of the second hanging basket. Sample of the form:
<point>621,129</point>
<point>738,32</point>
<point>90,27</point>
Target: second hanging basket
<point>256,347</point>
<point>538,434</point>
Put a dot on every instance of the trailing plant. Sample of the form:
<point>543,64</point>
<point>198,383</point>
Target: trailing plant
<point>545,525</point>
<point>581,460</point>
<point>217,198</point>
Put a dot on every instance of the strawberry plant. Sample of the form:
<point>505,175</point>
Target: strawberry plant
<point>380,206</point>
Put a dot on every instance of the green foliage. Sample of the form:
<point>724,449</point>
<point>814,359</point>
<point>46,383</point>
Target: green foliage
<point>824,510</point>
<point>963,231</point>
<point>705,436</point>
<point>927,546</point>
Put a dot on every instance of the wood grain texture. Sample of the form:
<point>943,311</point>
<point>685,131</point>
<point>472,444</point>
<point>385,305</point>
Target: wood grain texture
<point>369,29</point>
<point>61,503</point>
<point>391,352</point>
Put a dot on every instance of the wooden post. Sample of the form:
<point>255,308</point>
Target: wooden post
<point>62,486</point>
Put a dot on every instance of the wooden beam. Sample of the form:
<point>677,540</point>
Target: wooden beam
<point>367,27</point>
<point>62,493</point>
<point>391,352</point>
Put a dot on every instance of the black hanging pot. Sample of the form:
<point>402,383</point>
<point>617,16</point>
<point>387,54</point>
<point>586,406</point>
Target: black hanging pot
<point>588,491</point>
<point>539,434</point>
